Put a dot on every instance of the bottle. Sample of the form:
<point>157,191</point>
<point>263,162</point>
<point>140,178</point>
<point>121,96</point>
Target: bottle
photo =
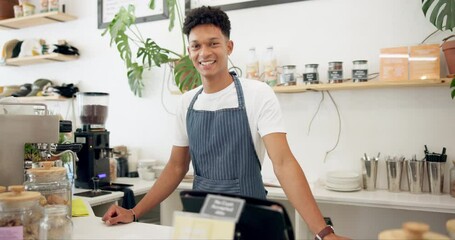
<point>452,180</point>
<point>55,224</point>
<point>269,63</point>
<point>252,66</point>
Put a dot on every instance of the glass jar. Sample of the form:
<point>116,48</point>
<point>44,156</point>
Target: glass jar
<point>311,75</point>
<point>52,183</point>
<point>20,213</point>
<point>452,180</point>
<point>56,224</point>
<point>335,72</point>
<point>360,71</point>
<point>287,75</point>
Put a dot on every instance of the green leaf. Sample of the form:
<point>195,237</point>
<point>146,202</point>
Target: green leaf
<point>135,79</point>
<point>452,85</point>
<point>186,75</point>
<point>152,4</point>
<point>442,13</point>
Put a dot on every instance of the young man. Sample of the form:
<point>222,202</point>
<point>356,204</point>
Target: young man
<point>224,127</point>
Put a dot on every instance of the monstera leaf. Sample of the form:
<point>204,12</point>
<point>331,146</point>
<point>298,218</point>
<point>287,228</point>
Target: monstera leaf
<point>149,53</point>
<point>186,75</point>
<point>442,14</point>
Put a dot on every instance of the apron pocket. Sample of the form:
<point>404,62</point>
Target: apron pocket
<point>219,186</point>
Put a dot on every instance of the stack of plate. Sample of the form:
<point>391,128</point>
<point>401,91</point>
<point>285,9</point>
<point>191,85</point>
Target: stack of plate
<point>343,181</point>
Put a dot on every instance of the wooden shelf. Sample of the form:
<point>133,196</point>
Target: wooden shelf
<point>42,98</point>
<point>35,20</point>
<point>362,85</point>
<point>47,58</point>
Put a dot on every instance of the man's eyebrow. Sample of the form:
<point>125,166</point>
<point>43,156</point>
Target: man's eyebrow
<point>210,39</point>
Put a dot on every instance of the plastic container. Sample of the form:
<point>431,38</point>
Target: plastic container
<point>52,183</point>
<point>93,108</point>
<point>20,213</point>
<point>56,224</point>
<point>252,65</point>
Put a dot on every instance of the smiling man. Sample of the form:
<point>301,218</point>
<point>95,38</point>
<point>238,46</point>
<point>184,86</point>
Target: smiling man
<point>224,128</point>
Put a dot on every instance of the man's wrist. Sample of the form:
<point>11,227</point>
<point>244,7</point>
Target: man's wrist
<point>134,214</point>
<point>324,232</point>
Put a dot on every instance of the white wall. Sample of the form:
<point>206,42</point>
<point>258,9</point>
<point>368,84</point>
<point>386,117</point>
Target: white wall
<point>390,121</point>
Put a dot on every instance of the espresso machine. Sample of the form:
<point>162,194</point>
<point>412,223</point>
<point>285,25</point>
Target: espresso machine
<point>93,168</point>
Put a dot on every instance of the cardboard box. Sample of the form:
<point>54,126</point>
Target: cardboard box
<point>424,62</point>
<point>394,64</point>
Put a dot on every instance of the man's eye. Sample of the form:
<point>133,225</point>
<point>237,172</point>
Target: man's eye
<point>194,47</point>
<point>215,44</point>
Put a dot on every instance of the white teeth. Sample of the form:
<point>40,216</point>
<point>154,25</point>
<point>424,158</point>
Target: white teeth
<point>207,63</point>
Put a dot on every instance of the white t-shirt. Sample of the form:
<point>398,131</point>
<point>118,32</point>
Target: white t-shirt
<point>262,108</point>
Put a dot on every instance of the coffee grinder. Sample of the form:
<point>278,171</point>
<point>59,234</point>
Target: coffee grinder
<point>93,169</point>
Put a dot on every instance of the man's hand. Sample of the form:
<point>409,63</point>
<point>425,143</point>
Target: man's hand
<point>116,214</point>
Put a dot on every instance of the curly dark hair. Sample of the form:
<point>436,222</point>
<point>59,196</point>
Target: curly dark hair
<point>207,15</point>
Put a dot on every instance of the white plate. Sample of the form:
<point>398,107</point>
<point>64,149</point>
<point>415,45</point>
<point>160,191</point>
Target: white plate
<point>343,175</point>
<point>343,189</point>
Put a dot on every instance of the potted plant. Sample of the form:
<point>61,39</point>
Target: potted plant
<point>442,16</point>
<point>149,54</point>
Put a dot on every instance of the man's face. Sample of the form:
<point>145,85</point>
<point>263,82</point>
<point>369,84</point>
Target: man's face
<point>209,50</point>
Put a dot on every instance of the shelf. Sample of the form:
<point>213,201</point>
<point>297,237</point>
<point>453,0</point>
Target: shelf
<point>362,85</point>
<point>42,98</point>
<point>35,20</point>
<point>47,58</point>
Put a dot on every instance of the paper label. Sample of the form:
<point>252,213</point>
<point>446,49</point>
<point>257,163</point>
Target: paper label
<point>12,233</point>
<point>224,207</point>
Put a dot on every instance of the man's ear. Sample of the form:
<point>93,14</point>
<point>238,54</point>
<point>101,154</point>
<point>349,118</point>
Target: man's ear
<point>230,46</point>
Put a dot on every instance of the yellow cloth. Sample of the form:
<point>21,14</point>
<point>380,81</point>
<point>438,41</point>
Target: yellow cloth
<point>79,208</point>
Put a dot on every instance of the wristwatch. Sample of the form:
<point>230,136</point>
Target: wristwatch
<point>324,232</point>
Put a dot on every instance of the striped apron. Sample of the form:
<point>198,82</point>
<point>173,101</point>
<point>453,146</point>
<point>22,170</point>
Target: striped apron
<point>222,150</point>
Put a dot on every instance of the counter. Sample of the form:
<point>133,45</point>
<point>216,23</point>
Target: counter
<point>92,227</point>
<point>374,211</point>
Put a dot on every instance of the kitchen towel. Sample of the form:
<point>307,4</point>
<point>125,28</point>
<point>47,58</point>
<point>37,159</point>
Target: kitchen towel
<point>79,208</point>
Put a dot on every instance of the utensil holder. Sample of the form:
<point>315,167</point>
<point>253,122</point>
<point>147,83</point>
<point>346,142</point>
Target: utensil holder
<point>415,175</point>
<point>369,173</point>
<point>394,170</point>
<point>436,177</point>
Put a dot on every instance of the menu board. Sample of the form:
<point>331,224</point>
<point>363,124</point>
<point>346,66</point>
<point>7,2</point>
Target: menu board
<point>108,8</point>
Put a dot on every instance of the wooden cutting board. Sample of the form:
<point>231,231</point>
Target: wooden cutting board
<point>400,234</point>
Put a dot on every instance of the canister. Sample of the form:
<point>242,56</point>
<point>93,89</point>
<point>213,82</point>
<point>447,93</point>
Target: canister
<point>311,75</point>
<point>20,213</point>
<point>335,72</point>
<point>287,75</point>
<point>360,71</point>
<point>52,183</point>
<point>56,224</point>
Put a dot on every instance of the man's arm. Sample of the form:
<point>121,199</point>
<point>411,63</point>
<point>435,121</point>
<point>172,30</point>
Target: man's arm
<point>294,182</point>
<point>168,181</point>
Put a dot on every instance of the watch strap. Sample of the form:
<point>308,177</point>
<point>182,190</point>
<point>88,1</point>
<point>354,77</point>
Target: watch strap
<point>324,232</point>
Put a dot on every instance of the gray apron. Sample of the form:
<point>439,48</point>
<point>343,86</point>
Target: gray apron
<point>222,150</point>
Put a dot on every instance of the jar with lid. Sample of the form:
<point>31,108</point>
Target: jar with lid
<point>360,71</point>
<point>52,183</point>
<point>252,65</point>
<point>20,213</point>
<point>311,75</point>
<point>335,72</point>
<point>56,224</point>
<point>286,75</point>
<point>452,180</point>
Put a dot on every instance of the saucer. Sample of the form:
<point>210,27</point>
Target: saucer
<point>343,189</point>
